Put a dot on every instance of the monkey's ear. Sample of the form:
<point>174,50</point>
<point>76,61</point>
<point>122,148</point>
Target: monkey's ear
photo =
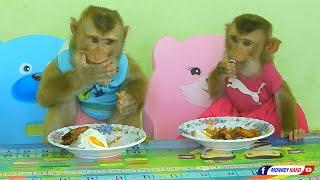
<point>73,25</point>
<point>226,26</point>
<point>272,46</point>
<point>125,31</point>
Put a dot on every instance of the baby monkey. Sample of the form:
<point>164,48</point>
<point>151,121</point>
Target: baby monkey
<point>92,80</point>
<point>246,82</point>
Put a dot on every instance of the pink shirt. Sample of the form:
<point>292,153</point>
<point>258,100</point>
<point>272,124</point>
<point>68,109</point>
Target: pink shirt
<point>247,94</point>
<point>254,97</point>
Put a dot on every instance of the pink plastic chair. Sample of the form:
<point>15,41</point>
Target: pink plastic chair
<point>177,87</point>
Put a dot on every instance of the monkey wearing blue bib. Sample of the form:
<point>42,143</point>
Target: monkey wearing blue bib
<point>92,80</point>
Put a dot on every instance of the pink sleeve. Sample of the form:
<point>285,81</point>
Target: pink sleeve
<point>272,77</point>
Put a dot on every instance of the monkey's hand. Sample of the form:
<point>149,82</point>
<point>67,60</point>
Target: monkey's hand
<point>226,69</point>
<point>286,108</point>
<point>295,135</point>
<point>126,104</point>
<point>216,80</point>
<point>88,74</point>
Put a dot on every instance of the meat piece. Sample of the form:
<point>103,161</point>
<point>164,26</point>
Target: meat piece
<point>249,133</point>
<point>230,133</point>
<point>73,135</point>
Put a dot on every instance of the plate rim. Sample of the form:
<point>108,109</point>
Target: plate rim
<point>95,149</point>
<point>224,140</point>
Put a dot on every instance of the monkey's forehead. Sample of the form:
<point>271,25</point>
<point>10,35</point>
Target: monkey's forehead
<point>90,30</point>
<point>258,34</point>
<point>255,36</point>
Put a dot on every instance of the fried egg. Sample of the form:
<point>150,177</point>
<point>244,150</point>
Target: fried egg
<point>92,138</point>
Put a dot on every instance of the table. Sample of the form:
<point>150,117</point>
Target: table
<point>175,159</point>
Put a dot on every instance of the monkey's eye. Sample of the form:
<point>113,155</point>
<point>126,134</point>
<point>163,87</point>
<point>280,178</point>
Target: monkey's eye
<point>109,41</point>
<point>94,39</point>
<point>246,43</point>
<point>195,70</point>
<point>25,68</point>
<point>234,39</point>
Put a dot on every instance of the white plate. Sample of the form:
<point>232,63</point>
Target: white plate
<point>131,136</point>
<point>266,129</point>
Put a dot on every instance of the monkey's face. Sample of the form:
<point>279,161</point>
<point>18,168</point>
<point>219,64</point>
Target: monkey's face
<point>99,47</point>
<point>243,47</point>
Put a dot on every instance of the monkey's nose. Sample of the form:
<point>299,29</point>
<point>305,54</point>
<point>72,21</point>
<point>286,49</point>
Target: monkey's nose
<point>37,76</point>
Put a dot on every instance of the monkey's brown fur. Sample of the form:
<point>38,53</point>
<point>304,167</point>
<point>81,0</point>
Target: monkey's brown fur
<point>246,25</point>
<point>58,91</point>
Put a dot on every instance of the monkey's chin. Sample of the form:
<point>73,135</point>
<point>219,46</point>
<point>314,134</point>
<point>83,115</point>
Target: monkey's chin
<point>250,68</point>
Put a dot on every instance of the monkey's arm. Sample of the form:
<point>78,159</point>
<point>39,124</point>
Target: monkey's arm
<point>286,107</point>
<point>136,83</point>
<point>216,84</point>
<point>135,86</point>
<point>56,87</point>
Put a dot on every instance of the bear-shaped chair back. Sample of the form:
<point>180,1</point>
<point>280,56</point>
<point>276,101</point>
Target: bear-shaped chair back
<point>22,61</point>
<point>177,90</point>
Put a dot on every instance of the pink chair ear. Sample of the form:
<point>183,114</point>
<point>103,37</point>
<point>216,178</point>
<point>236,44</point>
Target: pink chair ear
<point>161,46</point>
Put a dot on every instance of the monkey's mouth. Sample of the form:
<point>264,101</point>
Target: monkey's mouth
<point>205,90</point>
<point>96,63</point>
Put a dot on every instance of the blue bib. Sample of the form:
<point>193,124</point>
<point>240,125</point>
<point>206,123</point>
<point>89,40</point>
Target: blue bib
<point>99,100</point>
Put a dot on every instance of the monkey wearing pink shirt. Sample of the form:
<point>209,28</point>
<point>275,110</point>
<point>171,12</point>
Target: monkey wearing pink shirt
<point>246,82</point>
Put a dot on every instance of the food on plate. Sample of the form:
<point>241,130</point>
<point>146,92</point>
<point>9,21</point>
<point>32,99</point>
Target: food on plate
<point>73,135</point>
<point>225,133</point>
<point>201,134</point>
<point>85,137</point>
<point>92,138</point>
